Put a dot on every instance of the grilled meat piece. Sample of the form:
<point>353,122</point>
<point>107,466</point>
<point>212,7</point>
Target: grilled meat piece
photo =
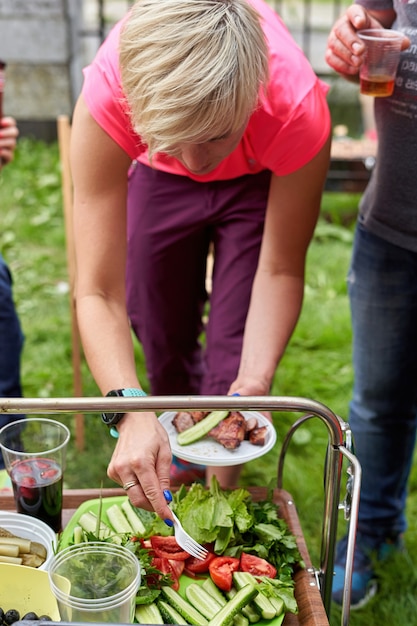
<point>231,431</point>
<point>182,421</point>
<point>185,419</point>
<point>198,415</point>
<point>257,436</point>
<point>251,423</point>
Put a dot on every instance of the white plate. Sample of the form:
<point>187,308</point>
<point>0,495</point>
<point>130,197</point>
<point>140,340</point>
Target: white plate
<point>209,452</point>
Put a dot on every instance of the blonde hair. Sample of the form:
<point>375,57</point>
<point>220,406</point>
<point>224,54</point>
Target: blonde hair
<point>191,69</point>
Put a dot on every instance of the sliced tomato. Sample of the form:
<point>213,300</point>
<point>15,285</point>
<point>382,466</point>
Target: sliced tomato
<point>193,575</point>
<point>166,567</point>
<point>177,567</point>
<point>199,566</point>
<point>168,548</point>
<point>221,570</point>
<point>256,566</point>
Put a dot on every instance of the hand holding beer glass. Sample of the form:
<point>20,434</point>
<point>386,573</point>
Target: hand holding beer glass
<point>382,55</point>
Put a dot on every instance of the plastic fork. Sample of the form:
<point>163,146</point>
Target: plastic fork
<point>184,540</point>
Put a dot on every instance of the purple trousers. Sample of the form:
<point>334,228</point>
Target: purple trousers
<point>172,220</point>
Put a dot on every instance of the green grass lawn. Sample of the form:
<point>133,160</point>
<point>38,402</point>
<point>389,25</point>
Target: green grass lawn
<point>317,364</point>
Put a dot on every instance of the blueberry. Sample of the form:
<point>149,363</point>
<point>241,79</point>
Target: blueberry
<point>11,616</point>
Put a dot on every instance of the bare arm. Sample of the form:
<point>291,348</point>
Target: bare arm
<point>277,293</point>
<point>99,169</point>
<point>345,50</point>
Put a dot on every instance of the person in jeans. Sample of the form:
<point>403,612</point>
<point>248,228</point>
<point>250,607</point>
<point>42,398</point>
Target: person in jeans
<point>230,130</point>
<point>382,290</point>
<point>11,336</point>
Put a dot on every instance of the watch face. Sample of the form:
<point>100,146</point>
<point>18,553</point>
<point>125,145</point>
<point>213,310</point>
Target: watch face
<point>112,418</point>
<point>114,392</point>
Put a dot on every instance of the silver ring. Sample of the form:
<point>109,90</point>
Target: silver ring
<point>130,484</point>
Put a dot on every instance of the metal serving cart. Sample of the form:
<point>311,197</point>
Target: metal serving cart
<point>313,585</point>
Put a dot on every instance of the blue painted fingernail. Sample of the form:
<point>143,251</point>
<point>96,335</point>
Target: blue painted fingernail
<point>167,495</point>
<point>235,394</point>
<point>169,522</point>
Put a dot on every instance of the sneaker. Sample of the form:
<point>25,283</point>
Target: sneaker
<point>368,550</point>
<point>185,473</point>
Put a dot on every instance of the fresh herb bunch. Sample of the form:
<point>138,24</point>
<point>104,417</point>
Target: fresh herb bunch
<point>89,579</point>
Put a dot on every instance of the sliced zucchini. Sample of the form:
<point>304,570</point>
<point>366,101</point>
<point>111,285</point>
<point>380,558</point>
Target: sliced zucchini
<point>184,608</point>
<point>202,600</point>
<point>251,613</point>
<point>133,518</point>
<point>214,591</point>
<point>170,615</point>
<point>119,520</point>
<point>90,522</point>
<point>240,620</point>
<point>202,428</point>
<point>227,613</point>
<point>148,614</point>
<point>261,603</point>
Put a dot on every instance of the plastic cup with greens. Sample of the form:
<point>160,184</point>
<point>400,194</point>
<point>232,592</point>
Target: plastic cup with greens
<point>95,582</point>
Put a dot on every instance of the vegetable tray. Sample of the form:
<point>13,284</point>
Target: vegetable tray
<point>313,586</point>
<point>310,604</point>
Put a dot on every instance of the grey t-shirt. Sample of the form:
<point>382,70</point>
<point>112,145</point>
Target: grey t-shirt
<point>388,207</point>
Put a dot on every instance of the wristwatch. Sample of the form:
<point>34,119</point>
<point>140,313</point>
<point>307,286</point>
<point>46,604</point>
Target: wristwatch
<point>111,419</point>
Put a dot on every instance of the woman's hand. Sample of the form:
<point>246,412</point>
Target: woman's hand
<point>251,387</point>
<point>143,456</point>
<point>8,138</point>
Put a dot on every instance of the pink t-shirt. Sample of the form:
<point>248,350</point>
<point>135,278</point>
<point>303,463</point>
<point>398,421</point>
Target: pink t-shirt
<point>283,134</point>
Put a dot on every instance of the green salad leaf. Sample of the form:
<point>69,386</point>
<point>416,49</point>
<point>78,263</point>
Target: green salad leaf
<point>283,590</point>
<point>234,523</point>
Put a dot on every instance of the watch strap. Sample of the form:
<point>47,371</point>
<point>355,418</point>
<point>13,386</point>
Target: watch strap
<point>131,392</point>
<point>128,392</point>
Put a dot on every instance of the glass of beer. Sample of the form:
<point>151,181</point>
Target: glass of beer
<point>382,55</point>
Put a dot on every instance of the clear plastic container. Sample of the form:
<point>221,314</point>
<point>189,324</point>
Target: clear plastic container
<point>95,582</point>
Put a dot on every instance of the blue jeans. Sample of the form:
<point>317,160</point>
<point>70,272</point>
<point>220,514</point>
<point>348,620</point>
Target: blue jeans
<point>382,285</point>
<point>11,344</point>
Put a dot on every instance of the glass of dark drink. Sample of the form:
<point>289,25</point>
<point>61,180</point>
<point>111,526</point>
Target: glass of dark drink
<point>34,451</point>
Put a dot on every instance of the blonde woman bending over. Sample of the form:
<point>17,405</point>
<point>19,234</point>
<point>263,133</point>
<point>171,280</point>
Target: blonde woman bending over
<point>227,128</point>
